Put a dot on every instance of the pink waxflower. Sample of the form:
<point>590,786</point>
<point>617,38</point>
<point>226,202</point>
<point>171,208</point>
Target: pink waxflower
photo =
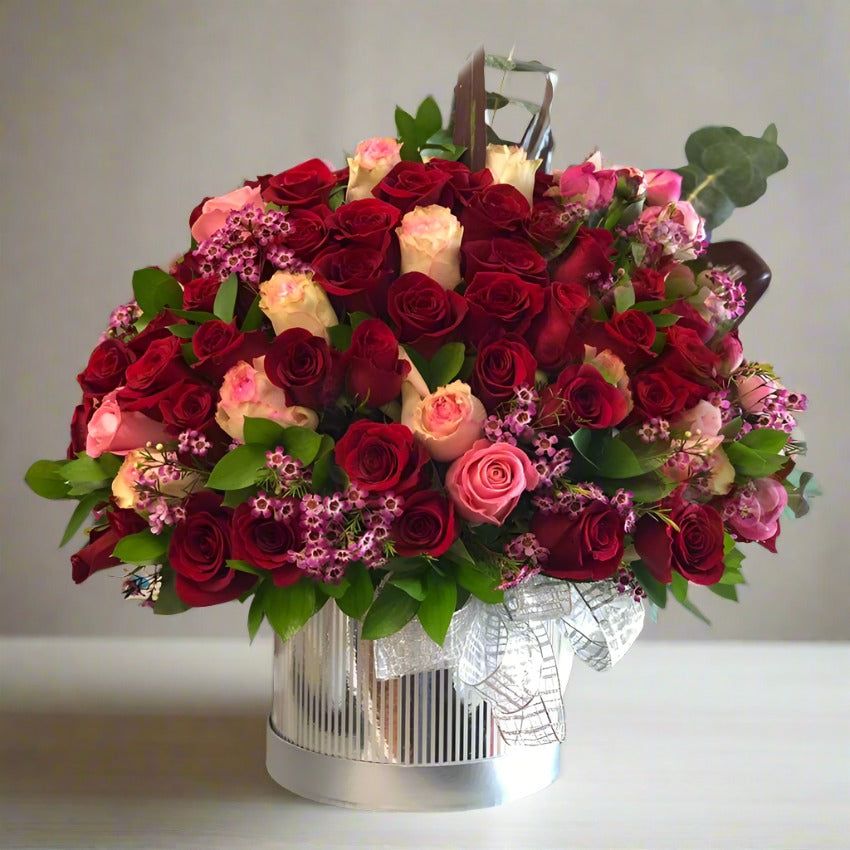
<point>662,187</point>
<point>486,482</point>
<point>214,211</point>
<point>753,514</point>
<point>112,429</point>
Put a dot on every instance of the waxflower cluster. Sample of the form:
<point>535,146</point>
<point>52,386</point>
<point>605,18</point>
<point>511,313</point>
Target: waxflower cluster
<point>379,382</point>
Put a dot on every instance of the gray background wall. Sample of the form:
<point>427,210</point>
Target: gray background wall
<point>119,116</point>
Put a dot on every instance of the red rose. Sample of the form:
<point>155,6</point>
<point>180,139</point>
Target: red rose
<point>157,328</point>
<point>373,370</point>
<point>584,547</point>
<point>426,315</point>
<point>504,255</point>
<point>357,274</point>
<point>690,318</point>
<point>547,226</point>
<point>199,550</point>
<point>629,335</point>
<point>265,543</point>
<point>200,292</point>
<point>367,222</point>
<point>305,368</point>
<point>306,185</point>
<point>661,392</point>
<point>79,426</point>
<point>221,345</point>
<point>543,182</point>
<point>500,367</point>
<point>648,285</point>
<point>426,525</point>
<point>501,300</point>
<point>589,257</point>
<point>381,458</point>
<point>413,184</point>
<point>695,550</point>
<point>463,183</point>
<point>582,398</point>
<point>189,405</point>
<point>96,555</point>
<point>106,367</point>
<point>308,231</point>
<point>550,332</point>
<point>186,268</point>
<point>685,352</point>
<point>158,369</point>
<point>498,210</point>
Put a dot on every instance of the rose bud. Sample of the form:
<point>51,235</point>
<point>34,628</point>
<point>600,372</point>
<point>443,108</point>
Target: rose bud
<point>426,525</point>
<point>247,391</point>
<point>486,482</point>
<point>106,367</point>
<point>305,368</point>
<point>266,543</point>
<point>125,485</point>
<point>587,546</point>
<point>502,365</point>
<point>447,421</point>
<point>429,238</point>
<point>96,555</point>
<point>373,159</point>
<point>118,431</point>
<point>510,164</point>
<point>214,211</point>
<point>662,187</point>
<point>374,369</point>
<point>731,353</point>
<point>199,551</point>
<point>754,511</point>
<point>382,458</point>
<point>79,426</point>
<point>306,185</point>
<point>295,300</point>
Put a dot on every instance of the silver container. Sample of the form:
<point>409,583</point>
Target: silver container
<point>338,735</point>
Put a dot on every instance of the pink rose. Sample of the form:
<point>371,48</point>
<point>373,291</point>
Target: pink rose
<point>676,227</point>
<point>120,431</point>
<point>247,391</point>
<point>447,421</point>
<point>585,184</point>
<point>214,211</point>
<point>753,513</point>
<point>754,390</point>
<point>487,481</point>
<point>731,354</point>
<point>662,187</point>
<point>701,425</point>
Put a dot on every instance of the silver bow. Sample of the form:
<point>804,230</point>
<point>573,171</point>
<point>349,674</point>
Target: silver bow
<point>516,655</point>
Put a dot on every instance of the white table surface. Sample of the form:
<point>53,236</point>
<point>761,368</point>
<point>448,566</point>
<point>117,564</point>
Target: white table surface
<point>159,744</point>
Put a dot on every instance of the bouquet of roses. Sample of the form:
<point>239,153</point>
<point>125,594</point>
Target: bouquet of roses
<point>416,379</point>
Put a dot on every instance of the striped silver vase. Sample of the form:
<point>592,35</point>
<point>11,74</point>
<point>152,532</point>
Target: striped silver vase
<point>339,735</point>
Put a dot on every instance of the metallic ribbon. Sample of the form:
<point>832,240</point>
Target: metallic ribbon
<point>516,655</point>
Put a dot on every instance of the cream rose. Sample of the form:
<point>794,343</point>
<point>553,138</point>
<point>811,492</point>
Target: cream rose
<point>373,159</point>
<point>295,300</point>
<point>447,421</point>
<point>510,164</point>
<point>125,485</point>
<point>246,391</point>
<point>430,243</point>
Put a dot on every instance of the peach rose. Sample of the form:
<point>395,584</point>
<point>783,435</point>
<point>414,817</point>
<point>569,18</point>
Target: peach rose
<point>754,390</point>
<point>295,300</point>
<point>125,488</point>
<point>721,473</point>
<point>214,212</point>
<point>373,159</point>
<point>120,431</point>
<point>246,391</point>
<point>701,440</point>
<point>429,238</point>
<point>510,164</point>
<point>486,482</point>
<point>447,421</point>
<point>662,187</point>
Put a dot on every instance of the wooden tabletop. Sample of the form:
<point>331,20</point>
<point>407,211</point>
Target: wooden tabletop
<point>159,744</point>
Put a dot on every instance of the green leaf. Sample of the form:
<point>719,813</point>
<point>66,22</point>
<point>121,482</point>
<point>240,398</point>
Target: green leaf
<point>624,297</point>
<point>335,591</point>
<point>238,468</point>
<point>225,299</point>
<point>623,456</point>
<point>679,587</point>
<point>263,432</point>
<point>647,488</point>
<point>446,364</point>
<point>288,608</point>
<point>81,512</point>
<point>733,559</point>
<point>655,590</point>
<point>168,602</point>
<point>751,463</point>
<point>84,470</point>
<point>245,567</point>
<point>459,554</point>
<point>732,577</point>
<point>480,584</point>
<point>301,443</point>
<point>323,465</point>
<point>428,119</point>
<point>508,63</point>
<point>337,198</point>
<point>254,317</point>
<point>234,498</point>
<point>183,331</point>
<point>438,606</point>
<point>402,564</point>
<point>689,606</point>
<point>155,289</point>
<point>145,547</point>
<point>45,479</point>
<point>420,363</point>
<point>406,125</point>
<point>413,585</point>
<point>257,611</point>
<point>725,591</point>
<point>198,316</point>
<point>664,320</point>
<point>357,318</point>
<point>765,440</point>
<point>356,600</point>
<point>732,428</point>
<point>391,610</point>
<point>189,353</point>
<point>340,336</point>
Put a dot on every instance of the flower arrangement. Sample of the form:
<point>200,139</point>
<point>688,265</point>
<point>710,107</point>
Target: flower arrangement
<point>426,377</point>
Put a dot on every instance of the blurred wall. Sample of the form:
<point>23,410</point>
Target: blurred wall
<point>119,116</point>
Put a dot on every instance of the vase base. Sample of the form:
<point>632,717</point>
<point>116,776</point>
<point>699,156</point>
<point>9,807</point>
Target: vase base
<point>407,788</point>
